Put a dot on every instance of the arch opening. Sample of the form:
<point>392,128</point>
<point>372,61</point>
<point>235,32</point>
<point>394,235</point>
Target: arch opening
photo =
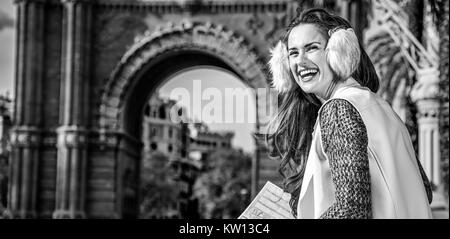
<point>146,84</point>
<point>146,66</point>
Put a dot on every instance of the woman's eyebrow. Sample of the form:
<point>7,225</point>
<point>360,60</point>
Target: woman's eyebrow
<point>292,48</point>
<point>309,44</point>
<point>305,46</point>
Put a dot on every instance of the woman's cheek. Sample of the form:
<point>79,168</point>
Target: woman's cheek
<point>316,57</point>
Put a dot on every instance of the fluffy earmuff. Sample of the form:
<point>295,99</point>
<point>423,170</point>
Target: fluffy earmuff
<point>343,53</point>
<point>279,67</point>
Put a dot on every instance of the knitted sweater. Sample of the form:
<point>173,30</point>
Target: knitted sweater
<point>345,141</point>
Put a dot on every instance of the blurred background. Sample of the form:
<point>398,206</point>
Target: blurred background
<point>87,92</point>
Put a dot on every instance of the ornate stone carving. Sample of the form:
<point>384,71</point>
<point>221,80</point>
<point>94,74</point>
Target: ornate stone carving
<point>427,85</point>
<point>255,23</point>
<point>278,23</point>
<point>25,136</point>
<point>71,136</point>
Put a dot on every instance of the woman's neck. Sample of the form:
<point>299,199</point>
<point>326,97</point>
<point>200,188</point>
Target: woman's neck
<point>330,92</point>
<point>338,85</point>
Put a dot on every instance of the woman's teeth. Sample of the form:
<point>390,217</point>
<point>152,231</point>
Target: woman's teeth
<point>303,73</point>
<point>307,74</point>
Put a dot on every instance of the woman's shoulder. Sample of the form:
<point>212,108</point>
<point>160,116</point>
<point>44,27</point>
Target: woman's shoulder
<point>339,112</point>
<point>360,98</point>
<point>337,107</point>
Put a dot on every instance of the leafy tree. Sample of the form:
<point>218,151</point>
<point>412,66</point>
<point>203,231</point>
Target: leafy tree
<point>223,190</point>
<point>159,191</point>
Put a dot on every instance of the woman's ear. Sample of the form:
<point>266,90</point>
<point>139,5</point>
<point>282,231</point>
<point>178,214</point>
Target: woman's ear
<point>279,67</point>
<point>343,52</point>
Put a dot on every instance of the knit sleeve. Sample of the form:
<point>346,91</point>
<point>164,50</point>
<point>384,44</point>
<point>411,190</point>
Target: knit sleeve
<point>344,140</point>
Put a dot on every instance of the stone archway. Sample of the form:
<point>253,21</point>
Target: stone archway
<point>148,63</point>
<point>228,49</point>
<point>74,141</point>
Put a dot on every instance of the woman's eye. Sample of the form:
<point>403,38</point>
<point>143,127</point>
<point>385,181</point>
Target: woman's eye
<point>312,48</point>
<point>293,53</point>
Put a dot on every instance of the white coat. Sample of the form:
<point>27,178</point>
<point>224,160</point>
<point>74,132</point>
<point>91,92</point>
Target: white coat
<point>397,189</point>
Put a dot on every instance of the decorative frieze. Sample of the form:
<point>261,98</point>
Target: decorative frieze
<point>196,7</point>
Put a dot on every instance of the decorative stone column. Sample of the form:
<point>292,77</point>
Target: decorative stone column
<point>25,142</point>
<point>425,94</point>
<point>71,172</point>
<point>25,133</point>
<point>72,134</point>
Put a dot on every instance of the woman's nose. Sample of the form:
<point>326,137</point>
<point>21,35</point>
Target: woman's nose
<point>301,58</point>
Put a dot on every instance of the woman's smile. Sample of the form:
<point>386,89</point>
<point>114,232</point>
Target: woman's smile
<point>307,74</point>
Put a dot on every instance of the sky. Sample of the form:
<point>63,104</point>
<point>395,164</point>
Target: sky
<point>220,81</point>
<point>209,78</point>
<point>7,45</point>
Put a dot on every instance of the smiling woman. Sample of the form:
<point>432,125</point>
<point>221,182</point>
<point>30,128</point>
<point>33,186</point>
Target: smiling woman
<point>356,160</point>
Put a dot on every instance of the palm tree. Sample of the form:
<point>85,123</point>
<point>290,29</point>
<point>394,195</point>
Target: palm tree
<point>440,10</point>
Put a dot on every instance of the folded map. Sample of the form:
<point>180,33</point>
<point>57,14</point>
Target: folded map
<point>270,203</point>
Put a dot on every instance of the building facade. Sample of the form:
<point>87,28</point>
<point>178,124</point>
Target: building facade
<point>160,132</point>
<point>203,141</point>
<point>178,138</point>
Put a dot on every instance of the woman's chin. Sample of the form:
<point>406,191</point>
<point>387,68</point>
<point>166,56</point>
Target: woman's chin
<point>307,84</point>
<point>306,87</point>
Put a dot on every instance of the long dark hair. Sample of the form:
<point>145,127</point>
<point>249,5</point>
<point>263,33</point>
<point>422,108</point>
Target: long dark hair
<point>292,127</point>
